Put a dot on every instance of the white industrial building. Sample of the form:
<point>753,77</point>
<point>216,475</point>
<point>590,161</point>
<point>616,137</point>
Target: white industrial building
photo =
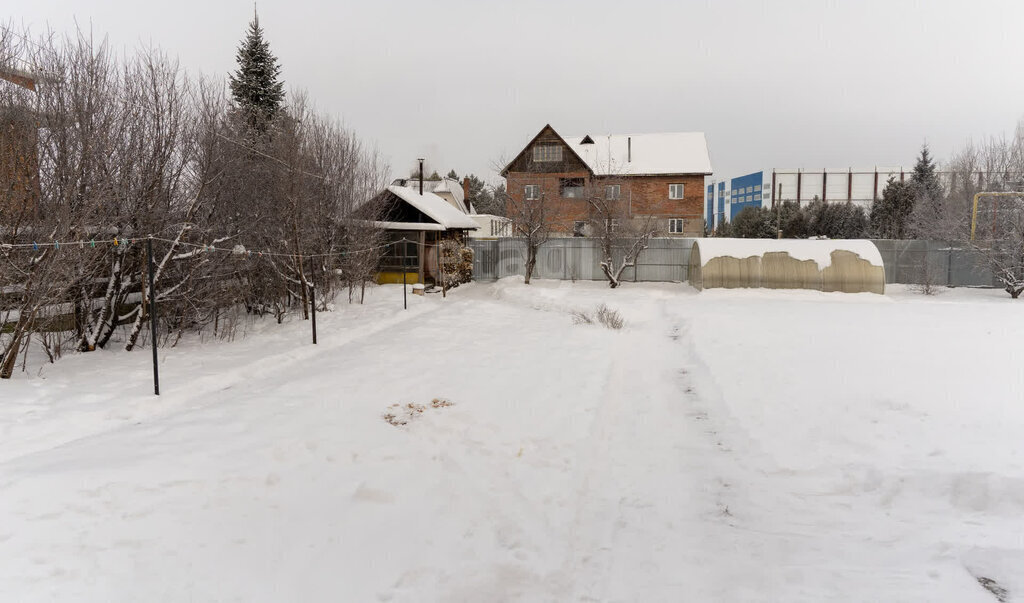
<point>725,198</point>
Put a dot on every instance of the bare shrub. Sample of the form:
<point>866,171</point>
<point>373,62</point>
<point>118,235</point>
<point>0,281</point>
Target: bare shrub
<point>609,318</point>
<point>602,315</point>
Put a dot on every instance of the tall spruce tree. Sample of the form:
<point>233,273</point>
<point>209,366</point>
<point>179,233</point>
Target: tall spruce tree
<point>928,211</point>
<point>925,177</point>
<point>256,86</point>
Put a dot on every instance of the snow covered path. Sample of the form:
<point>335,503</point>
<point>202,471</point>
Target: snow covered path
<point>576,463</point>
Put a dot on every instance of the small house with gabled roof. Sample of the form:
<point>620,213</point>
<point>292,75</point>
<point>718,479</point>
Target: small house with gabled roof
<point>417,221</point>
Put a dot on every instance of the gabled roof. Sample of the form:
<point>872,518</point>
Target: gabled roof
<point>443,185</point>
<point>644,154</point>
<point>434,207</point>
<point>533,140</point>
<point>449,185</point>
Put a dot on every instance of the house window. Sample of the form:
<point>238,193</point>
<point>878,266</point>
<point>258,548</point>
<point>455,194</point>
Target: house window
<point>612,191</point>
<point>532,191</point>
<point>675,191</point>
<point>571,188</point>
<point>400,255</point>
<point>675,225</point>
<point>750,189</point>
<point>579,228</point>
<point>757,188</point>
<point>547,152</point>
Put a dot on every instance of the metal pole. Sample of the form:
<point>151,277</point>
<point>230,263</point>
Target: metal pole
<point>312,309</point>
<point>778,212</point>
<point>152,314</point>
<point>437,256</point>
<point>405,286</point>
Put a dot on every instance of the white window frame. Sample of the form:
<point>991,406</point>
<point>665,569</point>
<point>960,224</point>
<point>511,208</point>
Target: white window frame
<point>672,190</point>
<point>675,225</point>
<point>547,153</point>
<point>612,192</point>
<point>531,192</point>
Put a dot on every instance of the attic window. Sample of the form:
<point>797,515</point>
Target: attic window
<point>587,140</point>
<point>547,152</point>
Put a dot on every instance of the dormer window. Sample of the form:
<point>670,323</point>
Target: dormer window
<point>587,140</point>
<point>547,153</point>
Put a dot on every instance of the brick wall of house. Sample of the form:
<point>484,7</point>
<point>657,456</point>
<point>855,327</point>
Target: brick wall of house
<point>641,195</point>
<point>19,166</point>
<point>564,212</point>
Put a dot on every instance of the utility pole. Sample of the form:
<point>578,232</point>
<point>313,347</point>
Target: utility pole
<point>152,314</point>
<point>778,211</point>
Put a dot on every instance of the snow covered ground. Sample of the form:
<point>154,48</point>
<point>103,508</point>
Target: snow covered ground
<point>723,446</point>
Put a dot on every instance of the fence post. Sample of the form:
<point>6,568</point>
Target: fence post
<point>312,309</point>
<point>949,265</point>
<point>152,314</point>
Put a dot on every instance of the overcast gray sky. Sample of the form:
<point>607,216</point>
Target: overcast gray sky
<point>823,83</point>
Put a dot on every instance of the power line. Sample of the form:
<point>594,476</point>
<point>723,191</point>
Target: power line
<point>212,248</point>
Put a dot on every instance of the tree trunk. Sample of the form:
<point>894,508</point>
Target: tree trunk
<point>531,261</point>
<point>19,338</point>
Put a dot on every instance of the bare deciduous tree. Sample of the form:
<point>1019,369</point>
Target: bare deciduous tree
<point>622,236</point>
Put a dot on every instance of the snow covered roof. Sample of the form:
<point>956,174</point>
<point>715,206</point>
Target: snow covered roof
<point>18,77</point>
<point>644,154</point>
<point>449,185</point>
<point>445,185</point>
<point>434,206</point>
<point>817,250</point>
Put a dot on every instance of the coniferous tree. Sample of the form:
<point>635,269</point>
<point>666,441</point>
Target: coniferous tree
<point>925,177</point>
<point>256,86</point>
<point>929,198</point>
<point>890,215</point>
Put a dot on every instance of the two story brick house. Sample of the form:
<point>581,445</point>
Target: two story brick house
<point>656,176</point>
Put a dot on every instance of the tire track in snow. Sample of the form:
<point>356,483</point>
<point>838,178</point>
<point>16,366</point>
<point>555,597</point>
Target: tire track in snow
<point>640,484</point>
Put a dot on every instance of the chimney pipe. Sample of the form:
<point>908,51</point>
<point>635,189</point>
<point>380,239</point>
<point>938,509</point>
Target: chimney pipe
<point>421,176</point>
<point>629,149</point>
<point>465,192</point>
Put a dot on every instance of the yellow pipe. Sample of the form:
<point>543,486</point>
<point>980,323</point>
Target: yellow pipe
<point>974,214</point>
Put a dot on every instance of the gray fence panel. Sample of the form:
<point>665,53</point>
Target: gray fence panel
<point>914,262</point>
<point>668,260</point>
<point>579,259</point>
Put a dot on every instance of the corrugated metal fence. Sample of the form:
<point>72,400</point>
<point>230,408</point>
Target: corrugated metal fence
<point>667,260</point>
<point>578,259</point>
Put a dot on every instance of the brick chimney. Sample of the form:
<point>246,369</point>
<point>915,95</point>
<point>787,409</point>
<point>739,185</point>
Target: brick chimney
<point>465,191</point>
